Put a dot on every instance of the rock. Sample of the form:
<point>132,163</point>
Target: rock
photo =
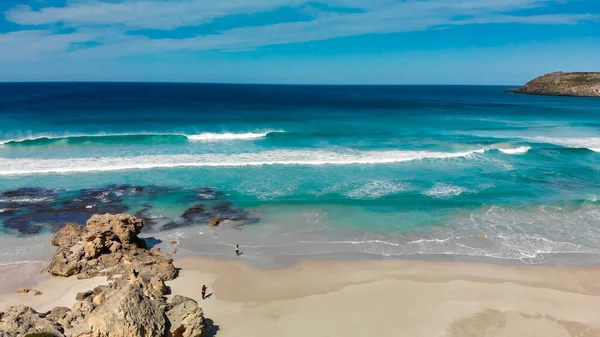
<point>153,286</point>
<point>107,245</point>
<point>563,84</point>
<point>173,242</point>
<point>60,315</point>
<point>67,236</point>
<point>185,317</point>
<point>125,227</point>
<point>84,295</point>
<point>37,293</point>
<point>126,312</point>
<point>64,263</point>
<point>217,221</point>
<point>20,320</point>
<point>23,291</point>
<point>195,213</point>
<point>98,299</point>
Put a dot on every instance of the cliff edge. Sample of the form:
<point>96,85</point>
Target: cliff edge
<point>585,84</point>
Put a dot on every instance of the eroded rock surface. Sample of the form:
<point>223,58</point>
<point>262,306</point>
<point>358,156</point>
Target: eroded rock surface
<point>107,245</point>
<point>132,305</point>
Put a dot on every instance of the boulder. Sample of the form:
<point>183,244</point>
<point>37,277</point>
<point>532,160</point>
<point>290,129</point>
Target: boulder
<point>185,317</point>
<point>20,320</point>
<point>125,312</point>
<point>107,245</point>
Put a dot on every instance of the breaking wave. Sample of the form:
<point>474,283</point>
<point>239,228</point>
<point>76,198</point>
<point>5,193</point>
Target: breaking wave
<point>20,166</point>
<point>151,138</point>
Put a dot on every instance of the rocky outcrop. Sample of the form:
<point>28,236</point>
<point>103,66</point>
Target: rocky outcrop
<point>563,84</point>
<point>20,320</point>
<point>107,245</point>
<point>186,319</point>
<point>122,312</point>
<point>132,305</point>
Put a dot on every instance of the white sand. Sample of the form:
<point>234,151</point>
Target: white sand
<point>56,292</point>
<point>369,298</point>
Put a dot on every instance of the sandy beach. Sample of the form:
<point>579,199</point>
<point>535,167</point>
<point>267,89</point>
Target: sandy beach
<point>366,298</point>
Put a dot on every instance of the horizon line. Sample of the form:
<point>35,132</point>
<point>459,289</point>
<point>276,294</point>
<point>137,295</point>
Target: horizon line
<point>265,84</point>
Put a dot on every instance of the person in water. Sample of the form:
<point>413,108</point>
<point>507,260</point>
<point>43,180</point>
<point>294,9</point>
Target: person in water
<point>204,291</point>
<point>237,250</point>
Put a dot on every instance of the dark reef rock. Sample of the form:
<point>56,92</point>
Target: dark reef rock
<point>563,84</point>
<point>31,211</point>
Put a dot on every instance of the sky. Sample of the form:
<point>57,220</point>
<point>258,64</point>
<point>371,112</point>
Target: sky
<point>504,42</point>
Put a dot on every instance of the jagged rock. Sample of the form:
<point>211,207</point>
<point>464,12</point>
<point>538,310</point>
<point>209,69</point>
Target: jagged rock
<point>84,295</point>
<point>132,305</point>
<point>124,226</point>
<point>107,245</point>
<point>20,320</point>
<point>67,236</point>
<point>126,312</point>
<point>37,293</point>
<point>185,317</point>
<point>153,286</point>
<point>60,315</point>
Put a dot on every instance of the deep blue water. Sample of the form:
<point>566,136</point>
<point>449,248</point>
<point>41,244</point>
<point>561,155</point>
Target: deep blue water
<point>389,170</point>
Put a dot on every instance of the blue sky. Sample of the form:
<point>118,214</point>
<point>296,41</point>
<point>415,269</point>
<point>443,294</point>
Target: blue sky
<point>297,41</point>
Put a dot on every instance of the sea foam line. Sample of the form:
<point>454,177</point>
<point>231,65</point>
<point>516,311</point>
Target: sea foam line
<point>590,143</point>
<point>21,166</point>
<point>205,136</point>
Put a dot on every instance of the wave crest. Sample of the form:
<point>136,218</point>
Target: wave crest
<point>20,166</point>
<point>121,138</point>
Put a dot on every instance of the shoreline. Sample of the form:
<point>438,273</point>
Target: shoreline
<point>353,298</point>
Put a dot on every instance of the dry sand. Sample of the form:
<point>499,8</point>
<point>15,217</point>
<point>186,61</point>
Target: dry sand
<point>376,298</point>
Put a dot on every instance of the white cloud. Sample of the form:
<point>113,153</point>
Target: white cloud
<point>108,23</point>
<point>28,45</point>
<point>138,14</point>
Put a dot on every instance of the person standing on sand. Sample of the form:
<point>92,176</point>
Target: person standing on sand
<point>204,291</point>
<point>237,250</point>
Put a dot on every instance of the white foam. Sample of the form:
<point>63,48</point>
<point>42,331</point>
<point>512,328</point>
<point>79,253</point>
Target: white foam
<point>590,143</point>
<point>205,136</point>
<point>444,191</point>
<point>377,189</point>
<point>26,200</point>
<point>20,166</point>
<point>211,136</point>
<point>518,150</point>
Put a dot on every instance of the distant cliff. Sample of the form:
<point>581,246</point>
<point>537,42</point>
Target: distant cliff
<point>563,84</point>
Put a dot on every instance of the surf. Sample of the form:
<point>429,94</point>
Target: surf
<point>128,138</point>
<point>25,166</point>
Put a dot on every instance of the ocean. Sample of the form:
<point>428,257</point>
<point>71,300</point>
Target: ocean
<point>442,172</point>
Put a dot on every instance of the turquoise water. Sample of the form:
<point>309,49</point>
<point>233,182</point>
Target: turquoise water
<point>389,171</point>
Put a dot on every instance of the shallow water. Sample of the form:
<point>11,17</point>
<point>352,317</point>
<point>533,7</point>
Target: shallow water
<point>386,171</point>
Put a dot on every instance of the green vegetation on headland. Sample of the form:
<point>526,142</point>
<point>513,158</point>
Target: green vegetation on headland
<point>563,84</point>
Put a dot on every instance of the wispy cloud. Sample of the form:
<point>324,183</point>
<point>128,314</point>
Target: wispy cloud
<point>107,23</point>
